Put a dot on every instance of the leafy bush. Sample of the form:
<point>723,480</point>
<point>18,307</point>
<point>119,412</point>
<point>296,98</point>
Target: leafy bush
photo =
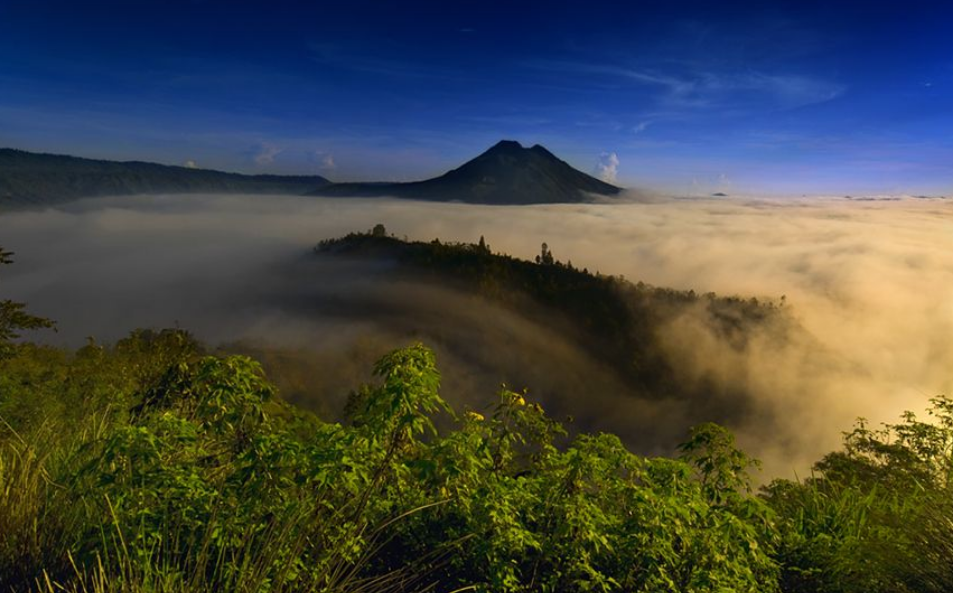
<point>150,465</point>
<point>876,517</point>
<point>198,478</point>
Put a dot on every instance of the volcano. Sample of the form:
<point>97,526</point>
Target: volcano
<point>507,173</point>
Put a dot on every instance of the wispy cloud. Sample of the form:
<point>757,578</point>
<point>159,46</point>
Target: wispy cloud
<point>693,86</point>
<point>607,168</point>
<point>641,126</point>
<point>264,153</point>
<point>672,84</point>
<point>324,160</point>
<point>508,120</point>
<point>788,91</point>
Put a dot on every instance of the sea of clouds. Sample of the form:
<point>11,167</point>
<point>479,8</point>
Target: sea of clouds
<point>871,282</point>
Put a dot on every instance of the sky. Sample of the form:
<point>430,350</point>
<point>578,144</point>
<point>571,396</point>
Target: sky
<point>685,97</point>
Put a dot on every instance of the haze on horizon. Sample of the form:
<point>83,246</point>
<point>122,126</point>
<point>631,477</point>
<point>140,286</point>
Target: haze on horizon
<point>687,98</point>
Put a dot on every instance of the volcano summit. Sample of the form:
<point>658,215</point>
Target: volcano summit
<point>507,173</point>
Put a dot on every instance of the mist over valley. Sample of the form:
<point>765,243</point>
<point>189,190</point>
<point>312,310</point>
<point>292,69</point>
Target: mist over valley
<point>860,336</point>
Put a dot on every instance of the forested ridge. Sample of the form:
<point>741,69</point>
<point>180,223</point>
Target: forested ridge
<point>33,179</point>
<point>619,321</point>
<point>158,464</point>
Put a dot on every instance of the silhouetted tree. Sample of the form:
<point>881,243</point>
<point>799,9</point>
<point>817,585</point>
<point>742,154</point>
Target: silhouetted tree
<point>546,256</point>
<point>379,230</point>
<point>13,318</point>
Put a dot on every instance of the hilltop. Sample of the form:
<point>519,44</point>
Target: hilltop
<point>507,173</point>
<point>35,179</point>
<point>619,322</point>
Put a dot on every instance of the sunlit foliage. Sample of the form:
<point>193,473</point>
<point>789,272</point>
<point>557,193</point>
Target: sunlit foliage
<point>153,465</point>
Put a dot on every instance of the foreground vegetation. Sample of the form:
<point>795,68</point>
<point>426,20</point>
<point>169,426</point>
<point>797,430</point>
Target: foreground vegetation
<point>152,465</point>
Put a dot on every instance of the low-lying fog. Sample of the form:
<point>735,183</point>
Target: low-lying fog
<point>871,281</point>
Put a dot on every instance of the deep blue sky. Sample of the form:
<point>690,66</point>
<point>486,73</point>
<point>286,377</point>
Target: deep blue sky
<point>785,97</point>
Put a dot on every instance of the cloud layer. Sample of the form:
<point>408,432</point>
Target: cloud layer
<point>871,282</point>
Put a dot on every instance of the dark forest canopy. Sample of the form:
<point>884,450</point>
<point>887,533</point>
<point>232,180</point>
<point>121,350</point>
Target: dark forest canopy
<point>618,321</point>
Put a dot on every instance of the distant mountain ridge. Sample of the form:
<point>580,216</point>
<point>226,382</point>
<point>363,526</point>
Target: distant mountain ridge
<point>36,179</point>
<point>507,173</point>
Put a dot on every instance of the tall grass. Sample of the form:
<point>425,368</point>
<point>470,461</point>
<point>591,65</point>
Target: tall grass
<point>40,548</point>
<point>36,520</point>
<point>128,470</point>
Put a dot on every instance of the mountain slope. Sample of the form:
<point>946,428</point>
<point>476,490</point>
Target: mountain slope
<point>507,173</point>
<point>28,178</point>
